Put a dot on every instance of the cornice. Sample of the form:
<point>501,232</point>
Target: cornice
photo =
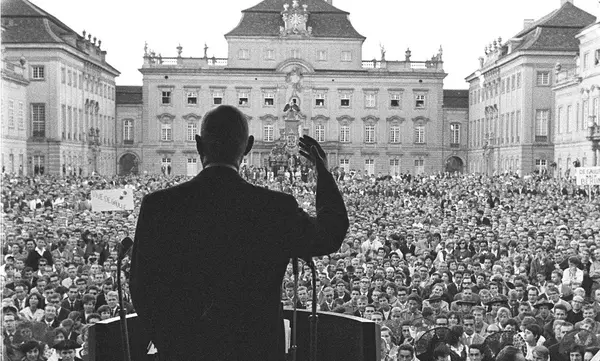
<point>268,117</point>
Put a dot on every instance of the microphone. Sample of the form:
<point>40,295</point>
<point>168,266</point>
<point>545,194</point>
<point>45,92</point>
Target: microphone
<point>124,247</point>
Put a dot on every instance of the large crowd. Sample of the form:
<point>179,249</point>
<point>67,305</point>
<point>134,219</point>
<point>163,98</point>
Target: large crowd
<point>472,253</point>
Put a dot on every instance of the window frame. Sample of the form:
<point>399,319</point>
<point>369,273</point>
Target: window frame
<point>542,78</point>
<point>346,56</point>
<point>191,95</point>
<point>419,134</point>
<point>128,131</point>
<point>191,130</point>
<point>166,132</point>
<point>369,132</point>
<point>455,133</point>
<point>35,70</point>
<point>166,95</point>
<point>268,133</point>
<point>418,100</point>
<point>394,134</point>
<point>344,133</point>
<point>41,124</point>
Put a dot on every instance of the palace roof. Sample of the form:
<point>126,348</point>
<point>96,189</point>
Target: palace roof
<point>264,20</point>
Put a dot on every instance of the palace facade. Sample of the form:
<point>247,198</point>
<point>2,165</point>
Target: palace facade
<point>64,107</point>
<point>295,67</point>
<point>511,99</point>
<point>577,92</point>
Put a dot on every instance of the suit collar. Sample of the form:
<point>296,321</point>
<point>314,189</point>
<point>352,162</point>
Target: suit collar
<point>216,171</point>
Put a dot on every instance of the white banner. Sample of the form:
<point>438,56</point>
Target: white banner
<point>587,176</point>
<point>112,200</point>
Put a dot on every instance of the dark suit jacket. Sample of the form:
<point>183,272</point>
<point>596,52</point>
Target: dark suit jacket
<point>63,314</point>
<point>209,257</point>
<point>78,305</point>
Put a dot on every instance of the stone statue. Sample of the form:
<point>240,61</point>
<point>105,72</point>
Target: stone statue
<point>382,48</point>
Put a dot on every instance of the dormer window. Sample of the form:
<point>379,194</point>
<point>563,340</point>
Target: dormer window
<point>244,54</point>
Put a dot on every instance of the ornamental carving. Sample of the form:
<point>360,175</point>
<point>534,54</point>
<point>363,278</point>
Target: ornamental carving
<point>191,116</point>
<point>165,117</point>
<point>294,20</point>
<point>370,118</point>
<point>395,118</point>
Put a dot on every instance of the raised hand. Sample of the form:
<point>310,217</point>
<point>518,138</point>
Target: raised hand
<point>311,150</point>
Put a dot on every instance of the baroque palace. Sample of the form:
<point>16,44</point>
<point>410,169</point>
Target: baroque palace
<point>295,67</point>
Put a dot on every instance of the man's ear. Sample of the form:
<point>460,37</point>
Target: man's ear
<point>199,145</point>
<point>249,145</point>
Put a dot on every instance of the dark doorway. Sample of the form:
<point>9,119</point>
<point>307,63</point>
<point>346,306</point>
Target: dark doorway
<point>454,165</point>
<point>128,164</point>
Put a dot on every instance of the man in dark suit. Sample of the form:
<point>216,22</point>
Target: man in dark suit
<point>192,297</point>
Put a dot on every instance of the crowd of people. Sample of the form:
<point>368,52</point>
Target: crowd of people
<point>473,253</point>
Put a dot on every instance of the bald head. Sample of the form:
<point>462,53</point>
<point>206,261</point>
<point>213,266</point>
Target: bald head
<point>224,136</point>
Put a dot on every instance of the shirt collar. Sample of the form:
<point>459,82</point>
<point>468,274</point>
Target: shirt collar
<point>230,166</point>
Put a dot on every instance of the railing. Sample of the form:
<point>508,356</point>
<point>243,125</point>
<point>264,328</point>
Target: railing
<point>157,62</point>
<point>403,65</point>
<point>566,75</point>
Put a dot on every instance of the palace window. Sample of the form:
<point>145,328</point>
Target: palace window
<point>395,134</point>
<point>243,98</point>
<point>269,99</point>
<point>320,132</point>
<point>38,120</point>
<point>395,100</point>
<point>191,131</point>
<point>370,166</point>
<point>268,133</point>
<point>346,56</point>
<point>21,116</point>
<point>369,133</point>
<point>543,78</point>
<point>166,132</point>
<point>192,98</point>
<point>541,124</point>
<point>165,97</point>
<point>322,55</point>
<point>370,100</point>
<point>217,97</point>
<point>11,113</point>
<point>345,164</point>
<point>420,101</point>
<point>345,134</point>
<point>394,166</point>
<point>269,54</point>
<point>419,134</point>
<point>38,72</point>
<point>320,99</point>
<point>128,131</point>
<point>419,166</point>
<point>455,133</point>
<point>244,54</point>
<point>345,100</point>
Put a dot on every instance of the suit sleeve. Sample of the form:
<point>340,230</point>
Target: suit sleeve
<point>315,236</point>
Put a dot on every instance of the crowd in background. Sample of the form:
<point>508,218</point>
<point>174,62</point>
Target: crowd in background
<point>477,254</point>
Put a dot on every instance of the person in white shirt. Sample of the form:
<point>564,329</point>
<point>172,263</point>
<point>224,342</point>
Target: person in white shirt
<point>372,244</point>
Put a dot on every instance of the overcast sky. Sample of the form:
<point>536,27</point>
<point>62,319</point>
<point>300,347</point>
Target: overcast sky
<point>462,27</point>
